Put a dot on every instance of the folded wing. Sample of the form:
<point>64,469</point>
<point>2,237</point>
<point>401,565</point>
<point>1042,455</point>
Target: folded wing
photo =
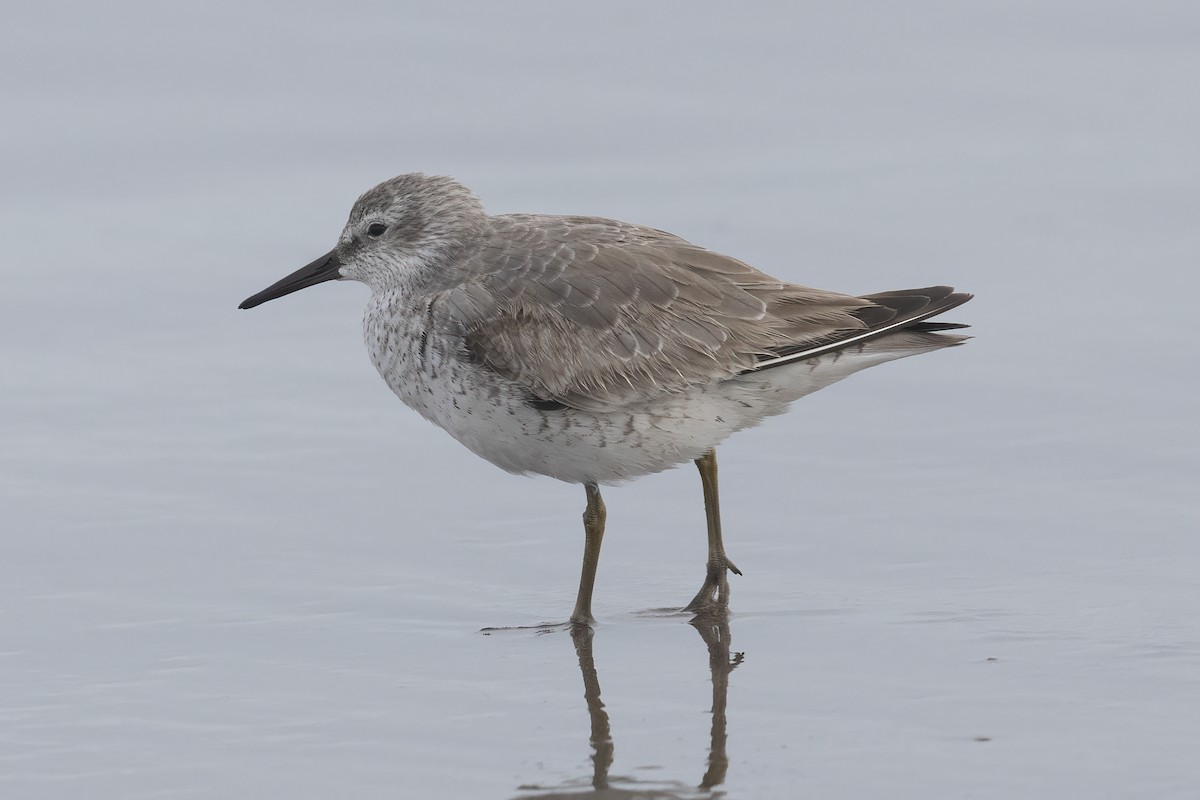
<point>597,314</point>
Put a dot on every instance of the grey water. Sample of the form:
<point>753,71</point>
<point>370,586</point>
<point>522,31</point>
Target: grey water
<point>233,565</point>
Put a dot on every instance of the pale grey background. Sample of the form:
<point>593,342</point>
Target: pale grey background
<point>233,565</point>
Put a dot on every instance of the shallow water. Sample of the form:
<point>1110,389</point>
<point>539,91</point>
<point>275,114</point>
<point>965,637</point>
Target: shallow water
<point>233,565</point>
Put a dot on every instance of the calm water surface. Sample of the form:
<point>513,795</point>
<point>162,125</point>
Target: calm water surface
<point>233,565</point>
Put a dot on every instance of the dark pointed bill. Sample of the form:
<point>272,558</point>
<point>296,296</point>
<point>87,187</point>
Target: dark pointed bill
<point>323,269</point>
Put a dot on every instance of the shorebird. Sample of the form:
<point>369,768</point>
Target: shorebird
<point>596,351</point>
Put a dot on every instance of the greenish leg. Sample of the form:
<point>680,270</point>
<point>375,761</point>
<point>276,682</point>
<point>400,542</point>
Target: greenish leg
<point>593,529</point>
<point>714,594</point>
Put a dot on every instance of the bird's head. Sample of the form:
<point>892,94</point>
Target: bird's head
<point>408,232</point>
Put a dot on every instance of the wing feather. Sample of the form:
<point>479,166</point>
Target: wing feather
<point>598,314</point>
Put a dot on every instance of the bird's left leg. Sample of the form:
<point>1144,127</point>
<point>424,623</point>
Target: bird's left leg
<point>714,594</point>
<point>593,531</point>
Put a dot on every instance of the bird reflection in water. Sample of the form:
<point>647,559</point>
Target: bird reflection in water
<point>714,630</point>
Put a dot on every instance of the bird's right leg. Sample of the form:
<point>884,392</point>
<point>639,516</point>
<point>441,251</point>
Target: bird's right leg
<point>714,594</point>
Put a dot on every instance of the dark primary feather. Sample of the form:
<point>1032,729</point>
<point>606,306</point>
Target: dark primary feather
<point>902,309</point>
<point>595,314</point>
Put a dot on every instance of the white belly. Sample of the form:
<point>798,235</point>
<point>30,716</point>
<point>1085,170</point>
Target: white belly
<point>494,418</point>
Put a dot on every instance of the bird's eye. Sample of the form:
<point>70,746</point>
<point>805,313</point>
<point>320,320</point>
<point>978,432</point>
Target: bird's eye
<point>376,229</point>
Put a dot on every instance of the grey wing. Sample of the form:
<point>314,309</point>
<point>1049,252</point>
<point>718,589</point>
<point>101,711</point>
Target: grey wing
<point>597,314</point>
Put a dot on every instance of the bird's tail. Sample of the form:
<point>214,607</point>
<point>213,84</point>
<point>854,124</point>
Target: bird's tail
<point>899,315</point>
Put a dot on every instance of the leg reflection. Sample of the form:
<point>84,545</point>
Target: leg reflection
<point>714,630</point>
<point>602,743</point>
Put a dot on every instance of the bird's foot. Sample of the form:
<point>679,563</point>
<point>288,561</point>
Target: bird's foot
<point>713,597</point>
